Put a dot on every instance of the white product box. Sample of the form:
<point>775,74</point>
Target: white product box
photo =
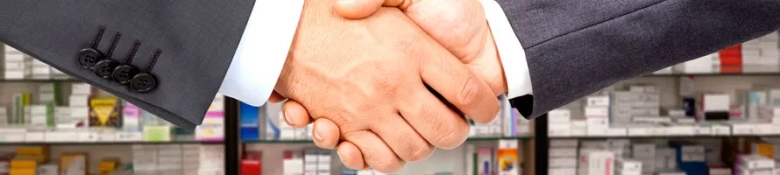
<point>564,143</point>
<point>755,162</point>
<point>715,102</point>
<point>559,116</point>
<point>596,163</point>
<point>628,165</point>
<point>81,89</point>
<point>676,113</point>
<point>563,162</point>
<point>699,65</point>
<point>597,123</point>
<point>617,132</point>
<point>578,131</point>
<point>742,128</point>
<point>559,132</point>
<point>596,111</point>
<point>595,144</point>
<point>720,171</point>
<point>597,101</point>
<point>627,172</point>
<point>680,130</point>
<point>720,130</point>
<point>563,171</point>
<point>643,150</point>
<point>597,131</point>
<point>563,152</point>
<point>671,173</point>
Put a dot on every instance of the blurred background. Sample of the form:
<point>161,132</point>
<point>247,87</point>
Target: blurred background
<point>717,115</point>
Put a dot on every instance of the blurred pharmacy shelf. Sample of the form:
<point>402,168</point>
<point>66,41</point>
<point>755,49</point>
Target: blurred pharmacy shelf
<point>39,80</point>
<point>470,139</point>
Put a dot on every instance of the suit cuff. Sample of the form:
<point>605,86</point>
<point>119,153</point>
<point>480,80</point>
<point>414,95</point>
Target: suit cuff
<point>518,78</point>
<point>262,51</point>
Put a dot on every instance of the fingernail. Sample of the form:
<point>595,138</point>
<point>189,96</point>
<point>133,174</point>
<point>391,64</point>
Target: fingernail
<point>286,118</point>
<point>340,157</point>
<point>317,136</point>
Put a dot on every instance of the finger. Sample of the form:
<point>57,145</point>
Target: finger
<point>433,120</point>
<point>295,114</point>
<point>357,9</point>
<point>276,97</point>
<point>459,86</point>
<point>325,133</point>
<point>458,25</point>
<point>351,156</point>
<point>401,4</point>
<point>376,153</point>
<point>402,138</point>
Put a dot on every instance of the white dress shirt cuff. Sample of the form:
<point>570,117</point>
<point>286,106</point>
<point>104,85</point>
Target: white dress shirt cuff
<point>262,51</point>
<point>510,50</point>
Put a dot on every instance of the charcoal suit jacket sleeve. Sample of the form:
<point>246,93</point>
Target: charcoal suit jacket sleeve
<point>194,40</point>
<point>574,48</point>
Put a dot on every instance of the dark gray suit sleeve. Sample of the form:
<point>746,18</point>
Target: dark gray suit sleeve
<point>197,40</point>
<point>574,48</point>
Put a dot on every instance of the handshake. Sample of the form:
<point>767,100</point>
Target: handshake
<point>388,85</point>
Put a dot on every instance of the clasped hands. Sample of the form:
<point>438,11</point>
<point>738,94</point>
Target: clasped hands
<point>388,85</point>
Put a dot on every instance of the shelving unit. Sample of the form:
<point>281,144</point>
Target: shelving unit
<point>97,144</point>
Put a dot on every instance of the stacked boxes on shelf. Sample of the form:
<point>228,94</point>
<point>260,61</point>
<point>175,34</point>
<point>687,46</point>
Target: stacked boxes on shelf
<point>293,163</point>
<point>212,160</point>
<point>190,161</point>
<point>79,107</point>
<point>754,164</point>
<point>761,51</point>
<point>4,116</point>
<point>178,159</point>
<point>604,157</point>
<point>17,64</point>
<point>638,112</point>
<point>213,126</point>
<point>40,70</point>
<point>627,167</point>
<point>563,157</point>
<point>41,115</point>
<point>169,159</point>
<point>758,55</point>
<point>596,162</point>
<point>597,115</point>
<point>316,162</point>
<point>636,105</point>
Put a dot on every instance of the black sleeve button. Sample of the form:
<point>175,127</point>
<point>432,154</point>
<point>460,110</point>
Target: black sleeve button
<point>143,82</point>
<point>105,67</point>
<point>88,57</point>
<point>124,73</point>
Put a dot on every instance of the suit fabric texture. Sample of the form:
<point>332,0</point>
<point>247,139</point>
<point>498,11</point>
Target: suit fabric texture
<point>197,40</point>
<point>575,48</point>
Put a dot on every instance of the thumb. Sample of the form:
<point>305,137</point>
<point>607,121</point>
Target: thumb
<point>458,25</point>
<point>357,9</point>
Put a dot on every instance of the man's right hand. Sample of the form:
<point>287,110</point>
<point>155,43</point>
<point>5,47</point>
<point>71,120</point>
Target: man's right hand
<point>369,78</point>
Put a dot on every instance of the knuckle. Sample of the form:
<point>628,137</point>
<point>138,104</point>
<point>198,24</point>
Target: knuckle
<point>387,166</point>
<point>469,92</point>
<point>419,152</point>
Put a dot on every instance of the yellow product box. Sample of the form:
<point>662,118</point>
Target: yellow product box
<point>32,150</point>
<point>73,164</point>
<point>21,171</point>
<point>508,159</point>
<point>105,112</point>
<point>108,166</point>
<point>23,164</point>
<point>40,158</point>
<point>764,148</point>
